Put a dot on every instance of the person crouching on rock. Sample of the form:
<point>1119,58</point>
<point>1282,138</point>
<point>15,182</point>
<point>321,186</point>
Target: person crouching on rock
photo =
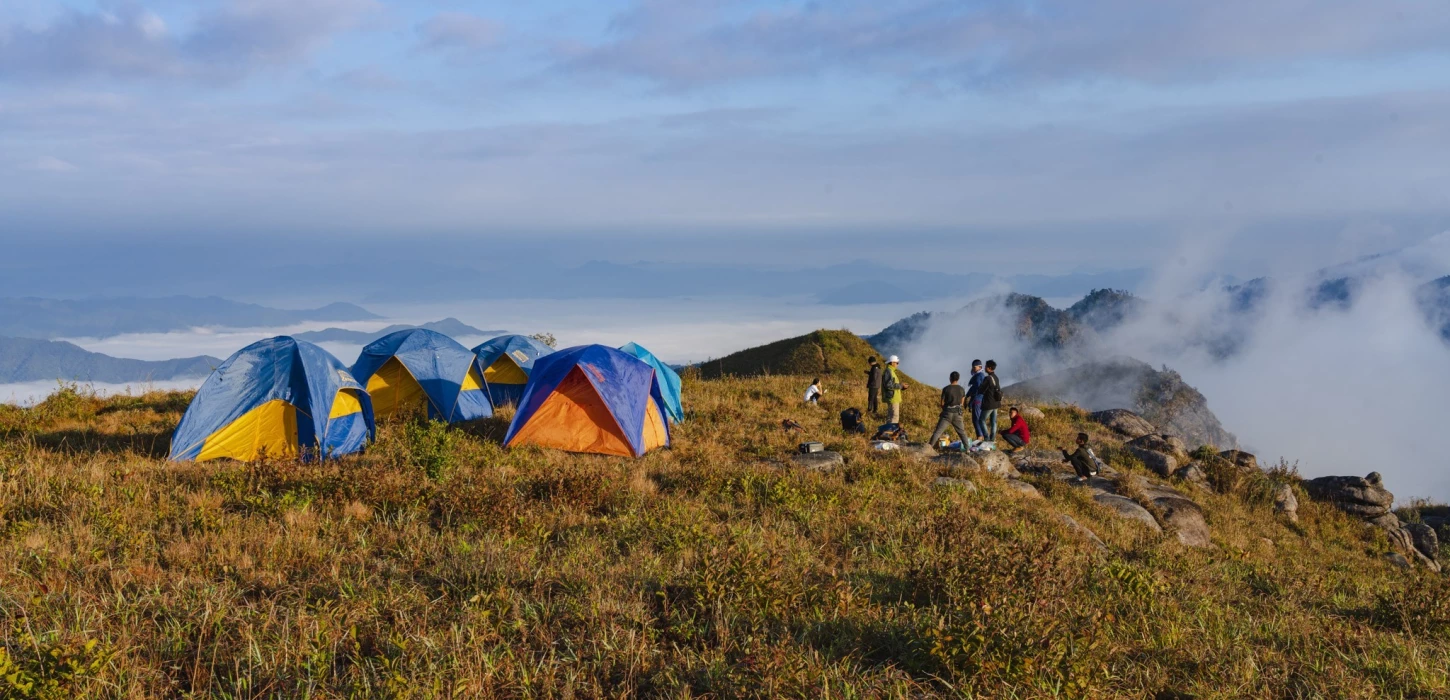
<point>813,392</point>
<point>1083,461</point>
<point>953,402</point>
<point>1017,435</point>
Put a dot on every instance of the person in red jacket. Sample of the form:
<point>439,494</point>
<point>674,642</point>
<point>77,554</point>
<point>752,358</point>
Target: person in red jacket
<point>1017,435</point>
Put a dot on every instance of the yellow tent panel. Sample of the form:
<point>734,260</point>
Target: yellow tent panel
<point>269,428</point>
<point>472,381</point>
<point>345,404</point>
<point>654,428</point>
<point>394,391</point>
<point>505,371</point>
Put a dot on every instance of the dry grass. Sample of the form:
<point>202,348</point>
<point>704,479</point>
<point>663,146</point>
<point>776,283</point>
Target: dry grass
<point>440,564</point>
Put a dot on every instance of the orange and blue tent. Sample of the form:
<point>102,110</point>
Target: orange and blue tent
<point>506,362</point>
<point>425,373</point>
<point>278,397</point>
<point>669,380</point>
<point>592,399</point>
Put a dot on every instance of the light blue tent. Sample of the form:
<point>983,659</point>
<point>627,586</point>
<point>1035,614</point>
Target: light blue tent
<point>506,363</point>
<point>278,397</point>
<point>669,380</point>
<point>424,372</point>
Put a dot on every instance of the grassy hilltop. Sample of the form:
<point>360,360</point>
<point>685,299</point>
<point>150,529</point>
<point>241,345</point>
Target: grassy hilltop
<point>439,564</point>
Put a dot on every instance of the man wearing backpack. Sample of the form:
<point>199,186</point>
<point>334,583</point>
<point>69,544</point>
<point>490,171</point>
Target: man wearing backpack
<point>891,389</point>
<point>873,388</point>
<point>991,391</point>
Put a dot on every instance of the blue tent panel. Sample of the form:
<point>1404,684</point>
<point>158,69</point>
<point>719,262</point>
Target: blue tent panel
<point>299,373</point>
<point>625,384</point>
<point>438,363</point>
<point>669,380</point>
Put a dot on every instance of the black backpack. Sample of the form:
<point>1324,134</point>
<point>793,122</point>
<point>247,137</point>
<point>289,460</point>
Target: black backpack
<point>851,421</point>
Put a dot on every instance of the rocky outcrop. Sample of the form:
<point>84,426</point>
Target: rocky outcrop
<point>1192,474</point>
<point>1425,540</point>
<point>826,461</point>
<point>1179,513</point>
<point>1031,413</point>
<point>1363,497</point>
<point>956,460</point>
<point>1367,499</point>
<point>1160,453</point>
<point>1026,489</point>
<point>996,462</point>
<point>1240,459</point>
<point>1159,396</point>
<point>1123,422</point>
<point>946,482</point>
<point>1286,503</point>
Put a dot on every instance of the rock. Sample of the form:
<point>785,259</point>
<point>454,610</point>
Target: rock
<point>1193,474</point>
<point>1128,509</point>
<point>1031,412</point>
<point>1158,462</point>
<point>1425,540</point>
<point>1123,421</point>
<point>1439,523</point>
<point>1167,444</point>
<point>1286,503</point>
<point>1403,541</point>
<point>1040,462</point>
<point>1082,530</point>
<point>825,461</point>
<point>996,462</point>
<point>916,451</point>
<point>1027,489</point>
<point>1180,514</point>
<point>1240,459</point>
<point>956,460</point>
<point>1388,522</point>
<point>946,482</point>
<point>1363,497</point>
<point>1398,560</point>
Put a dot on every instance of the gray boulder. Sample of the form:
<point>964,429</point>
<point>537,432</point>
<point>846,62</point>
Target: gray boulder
<point>946,482</point>
<point>1128,509</point>
<point>916,451</point>
<point>1240,459</point>
<point>1363,497</point>
<point>956,460</point>
<point>1425,540</point>
<point>1159,463</point>
<point>1180,514</point>
<point>1193,474</point>
<point>996,462</point>
<point>1167,444</point>
<point>1286,503</point>
<point>1082,530</point>
<point>1398,560</point>
<point>826,461</point>
<point>1040,462</point>
<point>1025,488</point>
<point>1123,422</point>
<point>1031,412</point>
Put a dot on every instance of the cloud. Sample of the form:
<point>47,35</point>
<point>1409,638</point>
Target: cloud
<point>458,31</point>
<point>691,43</point>
<point>226,42</point>
<point>51,164</point>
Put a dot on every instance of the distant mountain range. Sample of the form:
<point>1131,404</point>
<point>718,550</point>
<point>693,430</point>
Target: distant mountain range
<point>30,317</point>
<point>30,360</point>
<point>451,327</point>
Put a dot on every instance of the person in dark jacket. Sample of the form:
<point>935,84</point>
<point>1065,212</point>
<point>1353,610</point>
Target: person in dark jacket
<point>974,398</point>
<point>873,388</point>
<point>991,392</point>
<point>1083,461</point>
<point>1017,434</point>
<point>953,402</point>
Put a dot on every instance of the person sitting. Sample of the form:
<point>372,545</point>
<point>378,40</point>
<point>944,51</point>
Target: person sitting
<point>813,392</point>
<point>1083,461</point>
<point>851,421</point>
<point>1017,434</point>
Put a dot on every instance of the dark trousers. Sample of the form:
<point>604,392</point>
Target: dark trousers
<point>1082,466</point>
<point>873,400</point>
<point>977,423</point>
<point>949,419</point>
<point>1013,440</point>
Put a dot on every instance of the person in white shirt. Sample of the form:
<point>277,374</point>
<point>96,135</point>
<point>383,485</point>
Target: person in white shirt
<point>814,391</point>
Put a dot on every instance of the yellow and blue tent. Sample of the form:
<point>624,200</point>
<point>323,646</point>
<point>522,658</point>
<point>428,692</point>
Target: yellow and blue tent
<point>669,380</point>
<point>591,399</point>
<point>505,363</point>
<point>422,372</point>
<point>278,397</point>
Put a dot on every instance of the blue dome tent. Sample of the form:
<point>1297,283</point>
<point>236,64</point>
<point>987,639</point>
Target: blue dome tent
<point>424,372</point>
<point>506,363</point>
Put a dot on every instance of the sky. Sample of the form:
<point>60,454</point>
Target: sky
<point>1060,132</point>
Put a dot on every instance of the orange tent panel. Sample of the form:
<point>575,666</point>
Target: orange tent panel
<point>575,419</point>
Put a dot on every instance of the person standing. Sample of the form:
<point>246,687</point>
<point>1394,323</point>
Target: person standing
<point>892,388</point>
<point>953,403</point>
<point>974,398</point>
<point>991,392</point>
<point>873,388</point>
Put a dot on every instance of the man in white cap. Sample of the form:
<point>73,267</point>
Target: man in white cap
<point>891,388</point>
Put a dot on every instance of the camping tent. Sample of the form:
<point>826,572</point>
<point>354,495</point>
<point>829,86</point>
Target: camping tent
<point>279,397</point>
<point>591,399</point>
<point>423,372</point>
<point>506,363</point>
<point>669,380</point>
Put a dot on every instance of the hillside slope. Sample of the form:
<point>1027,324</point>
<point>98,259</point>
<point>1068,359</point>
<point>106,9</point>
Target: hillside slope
<point>819,353</point>
<point>441,564</point>
<point>27,360</point>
